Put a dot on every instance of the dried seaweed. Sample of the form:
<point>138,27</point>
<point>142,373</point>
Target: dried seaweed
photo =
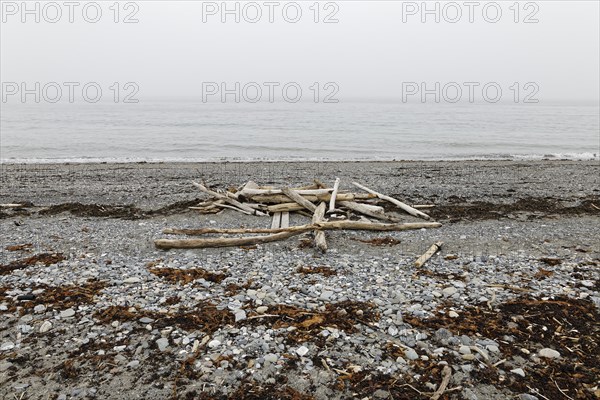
<point>20,247</point>
<point>344,316</point>
<point>233,288</point>
<point>551,261</point>
<point>567,325</point>
<point>255,391</point>
<point>204,317</point>
<point>186,276</point>
<point>63,297</point>
<point>43,258</point>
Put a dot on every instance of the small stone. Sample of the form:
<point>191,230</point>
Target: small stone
<point>68,313</point>
<point>302,351</point>
<point>162,343</point>
<point>133,279</point>
<point>453,314</point>
<point>449,291</point>
<point>468,357</point>
<point>119,348</point>
<point>492,348</point>
<point>326,295</point>
<point>240,315</point>
<point>526,396</point>
<point>272,358</point>
<point>549,353</point>
<point>133,364</point>
<point>262,309</point>
<point>214,343</point>
<point>518,371</point>
<point>464,350</point>
<point>411,354</point>
<point>146,320</point>
<point>588,283</point>
<point>5,365</point>
<point>392,330</point>
<point>7,346</point>
<point>40,308</point>
<point>381,394</point>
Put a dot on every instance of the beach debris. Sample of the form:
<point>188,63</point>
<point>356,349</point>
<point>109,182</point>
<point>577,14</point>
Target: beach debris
<point>328,208</point>
<point>20,247</point>
<point>428,254</point>
<point>42,258</point>
<point>446,375</point>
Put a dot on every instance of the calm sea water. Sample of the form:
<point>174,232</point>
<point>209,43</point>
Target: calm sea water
<point>192,130</point>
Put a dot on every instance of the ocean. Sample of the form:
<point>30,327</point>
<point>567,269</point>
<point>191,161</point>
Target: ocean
<point>190,130</point>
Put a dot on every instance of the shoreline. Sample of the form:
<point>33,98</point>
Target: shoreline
<point>584,157</point>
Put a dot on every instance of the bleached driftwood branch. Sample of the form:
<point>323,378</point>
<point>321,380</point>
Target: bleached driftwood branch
<point>396,202</point>
<point>320,241</point>
<point>336,186</point>
<point>295,196</point>
<point>428,254</point>
<point>229,200</point>
<point>277,234</point>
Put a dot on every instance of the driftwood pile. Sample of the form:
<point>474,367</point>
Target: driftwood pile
<point>329,208</point>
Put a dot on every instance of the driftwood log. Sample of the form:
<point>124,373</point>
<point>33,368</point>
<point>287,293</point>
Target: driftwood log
<point>403,206</point>
<point>320,241</point>
<point>336,187</point>
<point>428,254</point>
<point>276,234</point>
<point>295,196</point>
<point>227,199</point>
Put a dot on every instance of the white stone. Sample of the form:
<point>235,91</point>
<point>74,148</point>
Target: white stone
<point>272,358</point>
<point>464,350</point>
<point>133,364</point>
<point>262,309</point>
<point>549,353</point>
<point>40,308</point>
<point>411,354</point>
<point>453,314</point>
<point>302,351</point>
<point>7,346</point>
<point>214,343</point>
<point>162,343</point>
<point>518,371</point>
<point>449,291</point>
<point>68,313</point>
<point>133,279</point>
<point>46,326</point>
<point>240,315</point>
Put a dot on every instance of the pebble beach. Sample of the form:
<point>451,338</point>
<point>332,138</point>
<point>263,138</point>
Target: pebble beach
<point>508,309</point>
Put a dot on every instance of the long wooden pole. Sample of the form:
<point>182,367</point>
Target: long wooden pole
<point>277,234</point>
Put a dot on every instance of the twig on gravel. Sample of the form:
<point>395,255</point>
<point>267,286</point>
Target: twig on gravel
<point>562,391</point>
<point>446,374</point>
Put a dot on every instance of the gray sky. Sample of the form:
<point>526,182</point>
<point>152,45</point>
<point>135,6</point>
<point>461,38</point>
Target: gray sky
<point>370,52</point>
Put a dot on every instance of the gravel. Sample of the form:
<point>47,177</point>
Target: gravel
<point>65,350</point>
